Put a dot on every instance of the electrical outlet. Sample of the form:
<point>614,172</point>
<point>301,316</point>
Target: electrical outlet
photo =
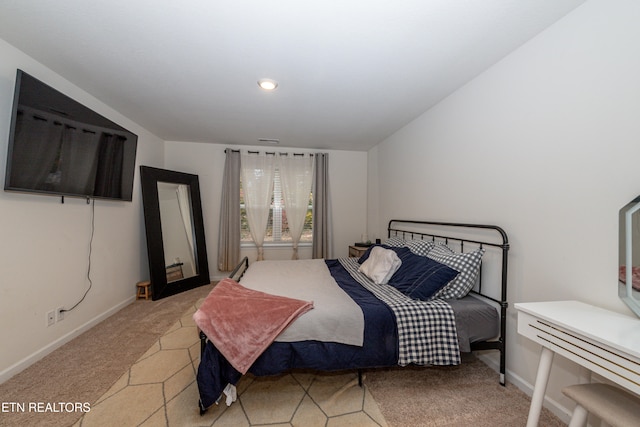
<point>51,318</point>
<point>59,314</point>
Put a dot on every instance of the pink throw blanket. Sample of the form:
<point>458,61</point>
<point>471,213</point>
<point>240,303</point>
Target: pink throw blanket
<point>242,323</point>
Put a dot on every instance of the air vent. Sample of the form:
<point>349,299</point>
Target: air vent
<point>269,140</point>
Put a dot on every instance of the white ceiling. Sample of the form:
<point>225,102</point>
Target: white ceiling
<point>350,72</point>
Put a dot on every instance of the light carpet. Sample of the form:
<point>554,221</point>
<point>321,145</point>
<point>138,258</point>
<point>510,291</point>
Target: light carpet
<point>158,386</point>
<point>160,389</point>
<point>83,369</point>
<point>464,395</point>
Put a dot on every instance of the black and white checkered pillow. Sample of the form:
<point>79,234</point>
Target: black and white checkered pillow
<point>420,247</point>
<point>468,264</point>
<point>395,241</point>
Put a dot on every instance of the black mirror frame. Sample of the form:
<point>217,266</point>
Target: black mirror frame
<point>149,178</point>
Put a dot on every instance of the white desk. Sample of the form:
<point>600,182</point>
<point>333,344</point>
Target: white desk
<point>604,342</point>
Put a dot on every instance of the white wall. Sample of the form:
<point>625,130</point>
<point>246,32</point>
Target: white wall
<point>348,188</point>
<point>44,245</point>
<point>545,144</point>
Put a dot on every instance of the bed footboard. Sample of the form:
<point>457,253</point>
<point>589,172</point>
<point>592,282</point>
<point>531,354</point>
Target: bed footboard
<point>236,274</point>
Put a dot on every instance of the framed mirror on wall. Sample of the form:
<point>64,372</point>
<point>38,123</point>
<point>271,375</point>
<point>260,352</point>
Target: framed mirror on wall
<point>629,255</point>
<point>175,231</point>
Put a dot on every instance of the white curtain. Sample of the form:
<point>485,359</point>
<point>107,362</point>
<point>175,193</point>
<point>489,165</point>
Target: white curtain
<point>296,173</point>
<point>257,184</point>
<point>184,202</point>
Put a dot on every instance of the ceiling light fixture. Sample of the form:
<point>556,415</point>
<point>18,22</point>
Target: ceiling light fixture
<point>267,84</point>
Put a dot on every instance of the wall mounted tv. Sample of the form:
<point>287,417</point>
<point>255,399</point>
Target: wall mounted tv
<point>59,147</point>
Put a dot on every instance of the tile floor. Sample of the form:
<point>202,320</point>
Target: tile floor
<point>160,390</point>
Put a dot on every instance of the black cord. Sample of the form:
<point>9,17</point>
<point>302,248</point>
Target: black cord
<point>93,217</point>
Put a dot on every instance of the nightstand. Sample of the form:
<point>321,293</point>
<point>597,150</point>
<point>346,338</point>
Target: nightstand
<point>357,251</point>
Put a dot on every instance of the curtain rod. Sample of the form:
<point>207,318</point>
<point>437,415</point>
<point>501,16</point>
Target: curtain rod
<point>68,123</point>
<point>273,153</point>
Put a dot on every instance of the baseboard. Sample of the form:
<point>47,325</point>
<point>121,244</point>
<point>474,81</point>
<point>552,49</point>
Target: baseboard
<point>555,407</point>
<point>34,357</point>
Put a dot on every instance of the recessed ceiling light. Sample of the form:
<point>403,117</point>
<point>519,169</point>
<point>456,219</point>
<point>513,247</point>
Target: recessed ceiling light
<point>267,84</point>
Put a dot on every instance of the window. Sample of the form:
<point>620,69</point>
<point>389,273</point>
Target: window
<point>277,227</point>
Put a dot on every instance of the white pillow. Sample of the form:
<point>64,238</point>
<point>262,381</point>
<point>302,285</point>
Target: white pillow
<point>380,265</point>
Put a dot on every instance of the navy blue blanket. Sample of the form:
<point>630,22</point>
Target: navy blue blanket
<point>380,347</point>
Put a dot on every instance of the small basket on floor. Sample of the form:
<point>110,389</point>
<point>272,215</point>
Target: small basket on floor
<point>143,290</point>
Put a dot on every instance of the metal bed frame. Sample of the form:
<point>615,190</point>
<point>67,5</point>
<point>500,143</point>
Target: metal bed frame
<point>413,230</point>
<point>499,241</point>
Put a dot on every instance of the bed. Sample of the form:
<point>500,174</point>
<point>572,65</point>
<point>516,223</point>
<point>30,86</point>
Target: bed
<point>430,291</point>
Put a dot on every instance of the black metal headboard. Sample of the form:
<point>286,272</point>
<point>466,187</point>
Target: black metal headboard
<point>464,236</point>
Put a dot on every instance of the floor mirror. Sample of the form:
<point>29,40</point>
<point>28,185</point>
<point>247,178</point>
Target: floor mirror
<point>175,231</point>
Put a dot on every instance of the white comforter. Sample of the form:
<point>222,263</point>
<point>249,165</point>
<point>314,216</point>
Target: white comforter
<point>335,316</point>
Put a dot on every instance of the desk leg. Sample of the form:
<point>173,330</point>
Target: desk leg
<point>540,387</point>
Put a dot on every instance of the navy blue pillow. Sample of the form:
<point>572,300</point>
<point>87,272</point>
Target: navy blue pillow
<point>420,277</point>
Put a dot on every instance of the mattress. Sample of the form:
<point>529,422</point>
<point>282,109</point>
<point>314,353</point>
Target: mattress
<point>475,321</point>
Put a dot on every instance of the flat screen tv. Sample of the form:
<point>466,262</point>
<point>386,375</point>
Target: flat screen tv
<point>59,147</point>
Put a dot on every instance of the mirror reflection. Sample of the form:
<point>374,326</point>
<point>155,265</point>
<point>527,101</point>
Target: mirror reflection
<point>175,231</point>
<point>629,255</point>
<point>176,220</point>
